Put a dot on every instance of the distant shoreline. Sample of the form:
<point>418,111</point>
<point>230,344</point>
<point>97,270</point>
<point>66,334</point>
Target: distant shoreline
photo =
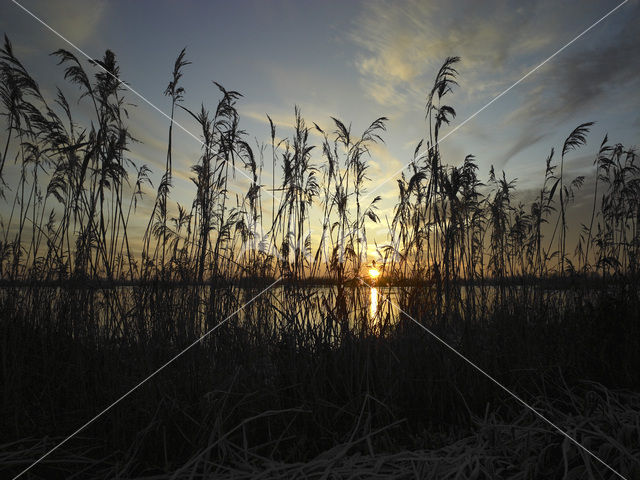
<point>590,281</point>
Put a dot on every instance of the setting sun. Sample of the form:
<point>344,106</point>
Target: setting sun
<point>374,272</point>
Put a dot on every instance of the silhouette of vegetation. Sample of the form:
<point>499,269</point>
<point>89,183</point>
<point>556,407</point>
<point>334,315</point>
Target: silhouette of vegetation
<point>309,378</point>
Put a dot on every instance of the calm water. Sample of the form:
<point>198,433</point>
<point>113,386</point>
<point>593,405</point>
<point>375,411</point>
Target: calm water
<point>195,309</point>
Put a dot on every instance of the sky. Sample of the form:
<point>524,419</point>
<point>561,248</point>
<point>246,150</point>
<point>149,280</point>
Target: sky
<point>358,61</point>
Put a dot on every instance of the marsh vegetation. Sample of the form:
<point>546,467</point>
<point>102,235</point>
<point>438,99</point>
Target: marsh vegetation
<point>308,379</point>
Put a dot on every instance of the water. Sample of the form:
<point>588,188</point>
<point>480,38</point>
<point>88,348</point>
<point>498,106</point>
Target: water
<point>177,311</point>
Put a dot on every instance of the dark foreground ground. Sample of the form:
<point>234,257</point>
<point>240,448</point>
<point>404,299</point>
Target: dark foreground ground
<point>305,384</point>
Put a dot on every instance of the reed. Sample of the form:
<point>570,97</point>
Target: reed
<point>308,379</point>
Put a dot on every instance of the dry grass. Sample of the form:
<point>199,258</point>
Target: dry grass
<point>520,447</point>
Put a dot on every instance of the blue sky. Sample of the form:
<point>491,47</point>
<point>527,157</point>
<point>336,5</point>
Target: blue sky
<point>358,61</point>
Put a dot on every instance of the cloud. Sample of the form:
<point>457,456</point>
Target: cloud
<point>285,123</point>
<point>390,58</point>
<point>382,160</point>
<point>403,45</point>
<point>593,73</point>
<point>278,120</point>
<point>77,20</point>
<point>526,139</point>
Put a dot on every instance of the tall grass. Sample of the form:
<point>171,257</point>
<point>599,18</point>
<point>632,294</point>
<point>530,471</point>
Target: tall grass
<point>73,201</point>
<point>306,380</point>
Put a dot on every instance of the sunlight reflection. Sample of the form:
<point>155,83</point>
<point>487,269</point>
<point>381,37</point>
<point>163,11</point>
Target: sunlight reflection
<point>373,308</point>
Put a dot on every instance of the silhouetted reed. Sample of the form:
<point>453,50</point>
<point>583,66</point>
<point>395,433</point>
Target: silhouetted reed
<point>310,377</point>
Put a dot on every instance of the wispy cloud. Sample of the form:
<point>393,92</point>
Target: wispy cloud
<point>78,20</point>
<point>402,45</point>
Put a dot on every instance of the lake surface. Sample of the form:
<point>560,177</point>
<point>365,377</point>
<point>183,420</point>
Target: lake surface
<point>325,311</point>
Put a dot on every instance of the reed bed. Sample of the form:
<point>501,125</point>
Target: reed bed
<point>306,381</point>
<point>72,202</point>
<point>518,447</point>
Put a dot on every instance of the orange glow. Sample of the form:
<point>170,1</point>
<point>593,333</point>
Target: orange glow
<point>373,307</point>
<point>374,272</point>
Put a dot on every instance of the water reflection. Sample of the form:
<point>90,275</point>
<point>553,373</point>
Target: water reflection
<point>373,305</point>
<point>194,310</point>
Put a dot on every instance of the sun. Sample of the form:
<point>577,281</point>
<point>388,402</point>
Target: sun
<point>374,272</point>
